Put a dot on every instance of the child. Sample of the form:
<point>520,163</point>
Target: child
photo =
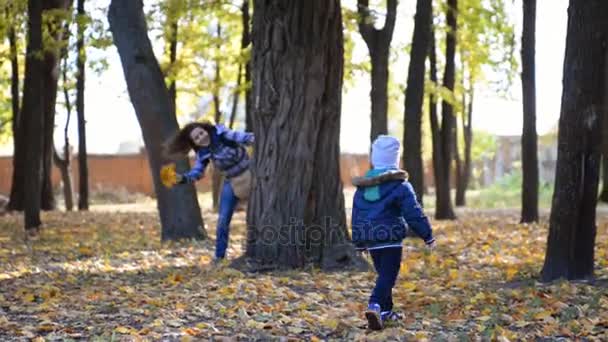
<point>384,206</point>
<point>225,148</point>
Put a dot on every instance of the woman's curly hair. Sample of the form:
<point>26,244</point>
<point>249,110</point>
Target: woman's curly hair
<point>181,143</point>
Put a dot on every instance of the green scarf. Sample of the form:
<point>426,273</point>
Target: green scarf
<point>372,193</point>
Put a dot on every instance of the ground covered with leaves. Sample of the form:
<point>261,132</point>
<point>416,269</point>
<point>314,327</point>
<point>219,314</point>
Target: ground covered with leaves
<point>105,276</point>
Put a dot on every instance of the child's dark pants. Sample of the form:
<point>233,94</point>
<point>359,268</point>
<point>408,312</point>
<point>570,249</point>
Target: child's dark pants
<point>387,262</point>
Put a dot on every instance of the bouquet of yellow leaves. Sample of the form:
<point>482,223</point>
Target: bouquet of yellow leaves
<point>168,176</point>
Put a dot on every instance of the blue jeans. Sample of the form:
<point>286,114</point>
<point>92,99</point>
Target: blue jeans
<point>387,262</point>
<point>228,202</point>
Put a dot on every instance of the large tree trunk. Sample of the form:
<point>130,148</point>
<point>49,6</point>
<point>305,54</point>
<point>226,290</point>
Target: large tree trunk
<point>444,208</point>
<point>572,230</point>
<point>16,196</point>
<point>378,42</point>
<point>51,77</point>
<point>32,116</point>
<point>529,149</point>
<point>296,214</point>
<point>245,43</point>
<point>180,213</point>
<point>83,167</point>
<point>414,97</point>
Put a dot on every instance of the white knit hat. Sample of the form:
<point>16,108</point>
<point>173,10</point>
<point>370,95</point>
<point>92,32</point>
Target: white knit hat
<point>385,152</point>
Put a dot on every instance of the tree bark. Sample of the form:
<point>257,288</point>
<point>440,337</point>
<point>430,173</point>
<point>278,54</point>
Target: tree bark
<point>414,97</point>
<point>32,116</point>
<point>378,42</point>
<point>529,149</point>
<point>180,214</point>
<point>572,230</point>
<point>51,77</point>
<point>83,168</point>
<point>16,195</point>
<point>296,214</point>
<point>444,208</point>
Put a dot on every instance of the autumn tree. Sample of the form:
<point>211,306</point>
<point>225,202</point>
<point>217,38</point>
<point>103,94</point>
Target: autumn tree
<point>83,167</point>
<point>378,43</point>
<point>15,13</point>
<point>296,214</point>
<point>529,149</point>
<point>55,14</point>
<point>572,230</point>
<point>180,213</point>
<point>414,96</point>
<point>32,120</point>
<point>444,209</point>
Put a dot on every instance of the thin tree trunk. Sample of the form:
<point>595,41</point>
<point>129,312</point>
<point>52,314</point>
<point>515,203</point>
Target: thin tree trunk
<point>444,208</point>
<point>296,214</point>
<point>604,193</point>
<point>216,177</point>
<point>173,23</point>
<point>529,149</point>
<point>572,230</point>
<point>414,97</point>
<point>378,43</point>
<point>180,214</point>
<point>51,77</point>
<point>64,165</point>
<point>245,43</point>
<point>32,116</point>
<point>16,196</point>
<point>441,189</point>
<point>468,141</point>
<point>83,168</point>
<point>235,97</point>
<point>459,167</point>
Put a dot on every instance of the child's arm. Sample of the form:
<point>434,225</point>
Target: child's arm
<point>197,171</point>
<point>414,216</point>
<point>240,137</point>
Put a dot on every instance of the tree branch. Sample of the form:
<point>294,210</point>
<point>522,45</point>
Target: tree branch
<point>365,26</point>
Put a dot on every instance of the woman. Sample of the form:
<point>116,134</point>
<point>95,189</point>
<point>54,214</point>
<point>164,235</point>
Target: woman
<point>225,149</point>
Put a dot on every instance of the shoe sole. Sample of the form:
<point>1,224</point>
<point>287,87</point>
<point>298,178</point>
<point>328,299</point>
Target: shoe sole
<point>373,320</point>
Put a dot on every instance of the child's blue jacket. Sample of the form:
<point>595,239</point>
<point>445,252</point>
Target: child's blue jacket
<point>384,206</point>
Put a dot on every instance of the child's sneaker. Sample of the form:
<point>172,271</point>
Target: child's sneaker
<point>390,316</point>
<point>373,315</point>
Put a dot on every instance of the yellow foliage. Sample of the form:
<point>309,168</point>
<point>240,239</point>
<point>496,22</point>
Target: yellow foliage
<point>168,176</point>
